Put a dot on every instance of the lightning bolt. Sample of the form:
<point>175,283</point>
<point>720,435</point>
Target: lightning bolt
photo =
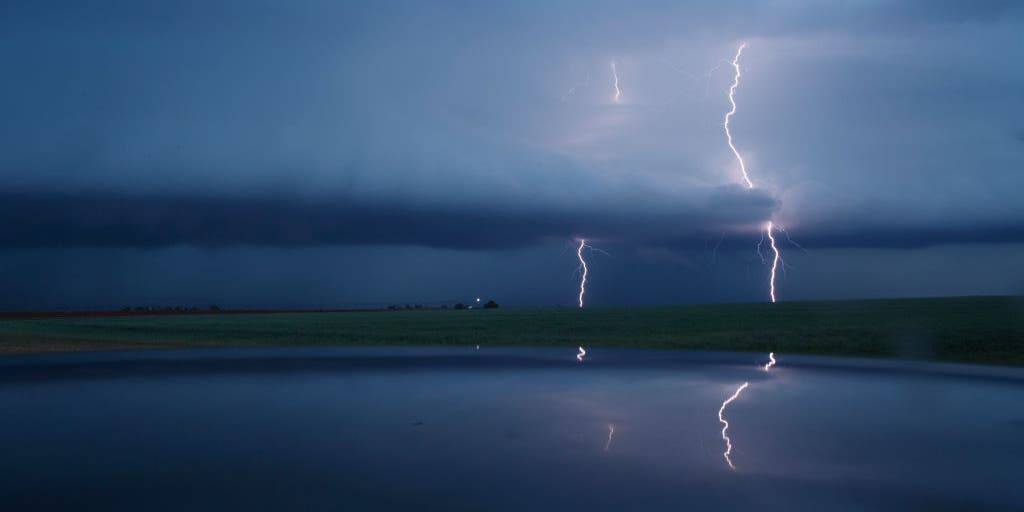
<point>775,260</point>
<point>611,433</point>
<point>583,265</point>
<point>743,167</point>
<point>615,75</point>
<point>583,287</point>
<point>721,414</point>
<point>725,427</point>
<point>732,100</point>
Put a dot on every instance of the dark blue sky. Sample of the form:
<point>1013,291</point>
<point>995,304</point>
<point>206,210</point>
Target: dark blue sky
<point>315,153</point>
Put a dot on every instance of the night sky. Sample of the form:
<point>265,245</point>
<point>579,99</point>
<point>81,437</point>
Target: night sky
<point>257,153</point>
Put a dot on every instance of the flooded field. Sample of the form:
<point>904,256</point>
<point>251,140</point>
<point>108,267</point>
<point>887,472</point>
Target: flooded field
<point>506,429</point>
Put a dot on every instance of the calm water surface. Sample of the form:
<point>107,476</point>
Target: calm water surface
<point>504,429</point>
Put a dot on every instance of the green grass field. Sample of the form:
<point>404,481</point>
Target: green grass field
<point>971,329</point>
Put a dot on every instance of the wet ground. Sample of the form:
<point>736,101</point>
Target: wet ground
<point>505,429</point>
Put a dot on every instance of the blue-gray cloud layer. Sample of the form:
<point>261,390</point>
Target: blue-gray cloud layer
<point>867,122</point>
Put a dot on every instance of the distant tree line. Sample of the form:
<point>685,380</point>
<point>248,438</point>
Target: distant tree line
<point>215,308</point>
<point>487,305</point>
<point>168,309</point>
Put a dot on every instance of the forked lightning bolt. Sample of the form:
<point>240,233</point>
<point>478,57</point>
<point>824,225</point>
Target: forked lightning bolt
<point>725,424</point>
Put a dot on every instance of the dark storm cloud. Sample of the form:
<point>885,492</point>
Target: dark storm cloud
<point>883,237</point>
<point>110,220</point>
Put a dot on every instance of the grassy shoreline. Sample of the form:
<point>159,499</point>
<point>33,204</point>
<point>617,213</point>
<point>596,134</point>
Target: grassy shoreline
<point>985,330</point>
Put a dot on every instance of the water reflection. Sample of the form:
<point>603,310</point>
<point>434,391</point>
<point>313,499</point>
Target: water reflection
<point>721,412</point>
<point>725,424</point>
<point>504,429</point>
<point>611,434</point>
